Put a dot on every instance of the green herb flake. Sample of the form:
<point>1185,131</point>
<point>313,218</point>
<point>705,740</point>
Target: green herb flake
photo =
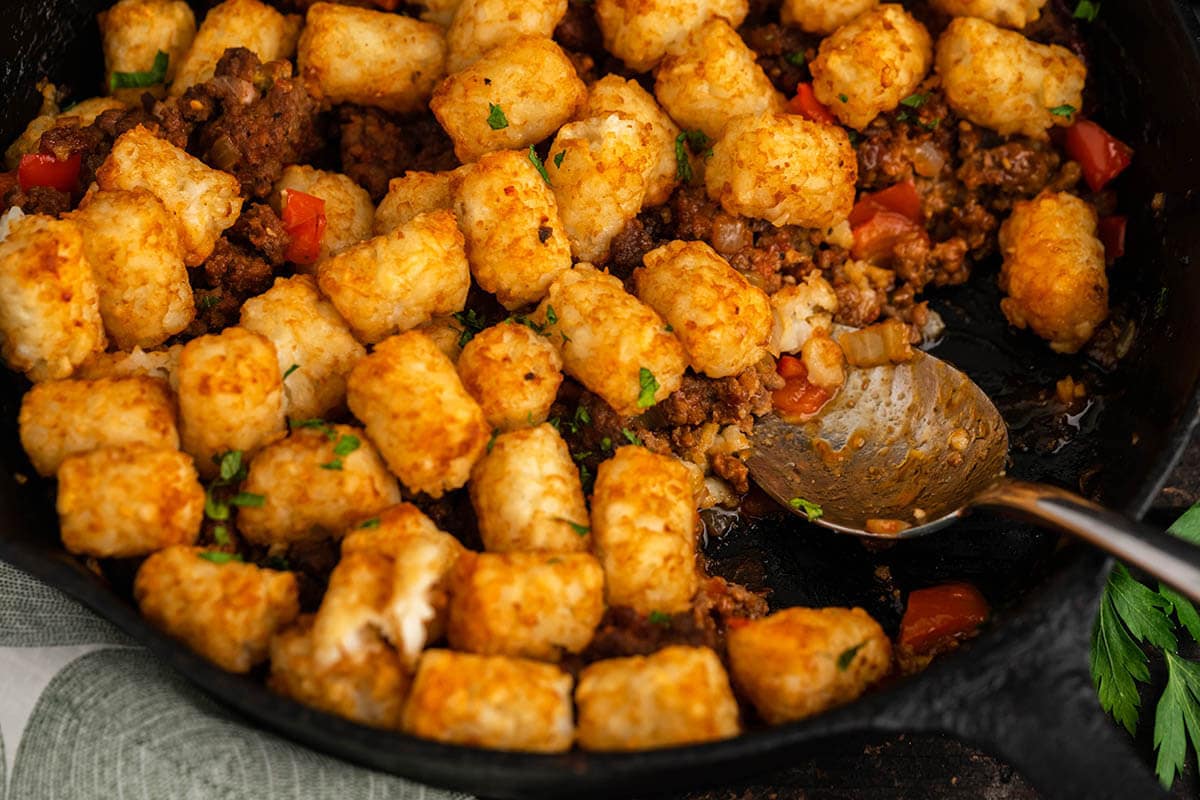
<point>932,124</point>
<point>558,157</point>
<point>580,530</point>
<point>247,500</point>
<point>796,59</point>
<point>231,467</point>
<point>669,329</point>
<point>913,100</point>
<point>214,508</point>
<point>346,445</point>
<point>537,163</point>
<point>1087,11</point>
<point>277,562</point>
<point>606,443</point>
<point>140,80</point>
<point>659,618</point>
<point>810,509</point>
<point>586,478</point>
<point>632,437</point>
<point>221,535</point>
<point>683,164</point>
<point>290,370</point>
<point>647,385</point>
<point>492,439</point>
<point>551,317</point>
<point>207,301</point>
<point>1063,110</point>
<point>843,98</point>
<point>219,557</point>
<point>334,465</point>
<point>554,560</point>
<point>496,119</point>
<point>373,522</point>
<point>317,424</point>
<point>582,417</point>
<point>847,656</point>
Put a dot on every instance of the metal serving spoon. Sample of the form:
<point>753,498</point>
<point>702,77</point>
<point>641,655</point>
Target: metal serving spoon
<point>904,450</point>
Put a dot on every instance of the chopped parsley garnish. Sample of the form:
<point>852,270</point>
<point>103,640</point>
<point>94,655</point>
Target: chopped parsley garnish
<point>335,465</point>
<point>586,478</point>
<point>551,317</point>
<point>854,136</point>
<point>1063,110</point>
<point>810,509</point>
<point>558,157</point>
<point>669,329</point>
<point>139,80</point>
<point>317,424</point>
<point>632,437</point>
<point>796,59</point>
<point>582,417</point>
<point>247,500</point>
<point>373,522</point>
<point>586,454</point>
<point>847,656</point>
<point>219,557</point>
<point>1086,11</point>
<point>843,98</point>
<point>914,100</point>
<point>214,508</point>
<point>346,445</point>
<point>659,618</point>
<point>277,562</point>
<point>492,439</point>
<point>698,143</point>
<point>606,443</point>
<point>521,319</point>
<point>221,535</point>
<point>537,163</point>
<point>580,530</point>
<point>1134,621</point>
<point>647,385</point>
<point>472,324</point>
<point>290,370</point>
<point>496,119</point>
<point>231,467</point>
<point>932,124</point>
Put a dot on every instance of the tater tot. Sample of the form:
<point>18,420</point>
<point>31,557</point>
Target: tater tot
<point>230,396</point>
<point>528,605</point>
<point>439,11</point>
<point>204,201</point>
<point>527,494</point>
<point>314,484</point>
<point>799,311</point>
<point>869,65</point>
<point>640,32</point>
<point>49,304</point>
<point>514,374</point>
<point>711,77</point>
<point>611,342</point>
<point>128,500</point>
<point>235,23</point>
<point>65,417</point>
<point>447,333</point>
<point>529,79</point>
<point>1053,271</point>
<point>490,701</point>
<point>349,214</point>
<point>137,362</point>
<point>822,16</point>
<point>313,345</point>
<point>598,171</point>
<point>428,428</point>
<point>394,578</point>
<point>801,661</point>
<point>366,687</point>
<point>613,94</point>
<point>480,25</point>
<point>723,322</point>
<point>132,243</point>
<point>644,525</point>
<point>1001,80</point>
<point>373,58</point>
<point>133,32</point>
<point>412,194</point>
<point>223,609</point>
<point>679,695</point>
<point>515,240</point>
<point>785,169</point>
<point>395,282</point>
<point>1007,13</point>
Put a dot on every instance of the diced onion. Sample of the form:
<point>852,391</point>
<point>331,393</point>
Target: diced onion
<point>881,343</point>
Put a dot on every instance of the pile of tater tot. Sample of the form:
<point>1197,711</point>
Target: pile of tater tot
<point>350,388</point>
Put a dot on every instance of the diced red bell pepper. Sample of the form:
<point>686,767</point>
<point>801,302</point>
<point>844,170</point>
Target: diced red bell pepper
<point>43,169</point>
<point>1101,156</point>
<point>304,220</point>
<point>1111,232</point>
<point>876,240</point>
<point>797,397</point>
<point>806,104</point>
<point>901,198</point>
<point>937,615</point>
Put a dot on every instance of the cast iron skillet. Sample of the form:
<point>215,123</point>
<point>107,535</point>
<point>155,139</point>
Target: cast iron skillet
<point>1021,690</point>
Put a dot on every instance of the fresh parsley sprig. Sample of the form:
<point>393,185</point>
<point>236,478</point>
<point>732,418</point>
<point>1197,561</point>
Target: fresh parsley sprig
<point>1134,622</point>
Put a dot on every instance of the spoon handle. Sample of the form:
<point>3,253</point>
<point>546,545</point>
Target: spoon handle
<point>1172,560</point>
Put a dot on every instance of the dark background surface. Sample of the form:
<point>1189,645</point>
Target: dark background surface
<point>927,767</point>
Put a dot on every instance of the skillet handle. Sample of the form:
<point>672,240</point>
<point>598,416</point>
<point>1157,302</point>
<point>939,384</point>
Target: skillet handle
<point>1170,559</point>
<point>1025,695</point>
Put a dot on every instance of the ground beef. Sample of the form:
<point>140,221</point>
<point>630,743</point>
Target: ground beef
<point>732,470</point>
<point>726,401</point>
<point>910,143</point>
<point>262,229</point>
<point>38,200</point>
<point>377,146</point>
<point>251,120</point>
<point>777,49</point>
